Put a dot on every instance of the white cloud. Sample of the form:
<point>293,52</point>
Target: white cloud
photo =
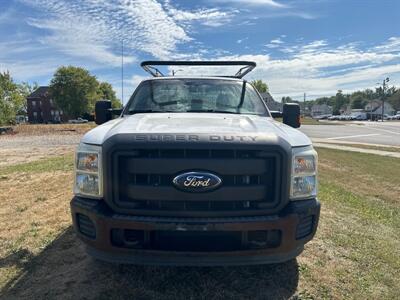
<point>29,69</point>
<point>210,17</point>
<point>77,39</point>
<point>318,69</point>
<point>392,45</point>
<point>94,29</point>
<point>242,40</point>
<point>276,41</point>
<point>270,3</point>
<point>315,45</point>
<point>89,33</point>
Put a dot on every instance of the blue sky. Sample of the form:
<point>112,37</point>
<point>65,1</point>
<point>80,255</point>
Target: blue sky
<point>312,46</point>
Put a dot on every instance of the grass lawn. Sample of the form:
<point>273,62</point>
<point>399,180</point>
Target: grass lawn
<point>371,147</point>
<point>310,121</point>
<point>355,254</point>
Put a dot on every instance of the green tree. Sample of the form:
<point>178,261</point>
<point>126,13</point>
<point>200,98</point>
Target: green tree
<point>394,100</point>
<point>105,91</point>
<point>74,90</point>
<point>11,100</point>
<point>358,102</point>
<point>340,101</point>
<point>260,85</point>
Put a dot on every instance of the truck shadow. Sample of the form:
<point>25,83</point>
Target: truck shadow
<point>64,271</point>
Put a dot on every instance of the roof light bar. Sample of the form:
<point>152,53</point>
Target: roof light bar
<point>247,66</point>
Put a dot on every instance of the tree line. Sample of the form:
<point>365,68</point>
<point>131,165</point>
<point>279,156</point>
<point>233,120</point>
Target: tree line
<point>358,99</point>
<point>73,89</point>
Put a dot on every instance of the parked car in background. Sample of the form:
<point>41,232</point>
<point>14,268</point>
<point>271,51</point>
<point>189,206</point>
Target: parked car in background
<point>78,121</point>
<point>322,117</point>
<point>20,119</point>
<point>394,117</point>
<point>358,116</point>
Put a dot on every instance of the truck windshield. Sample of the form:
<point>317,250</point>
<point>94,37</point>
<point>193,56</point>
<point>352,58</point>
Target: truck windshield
<point>196,95</point>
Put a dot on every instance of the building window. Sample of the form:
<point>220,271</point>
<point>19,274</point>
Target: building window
<point>51,102</point>
<point>52,113</point>
<point>35,114</point>
<point>33,103</point>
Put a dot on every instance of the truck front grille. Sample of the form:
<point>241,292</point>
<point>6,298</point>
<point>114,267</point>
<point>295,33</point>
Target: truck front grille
<point>142,181</point>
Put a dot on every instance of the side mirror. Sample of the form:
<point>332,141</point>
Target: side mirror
<point>102,112</point>
<point>291,115</point>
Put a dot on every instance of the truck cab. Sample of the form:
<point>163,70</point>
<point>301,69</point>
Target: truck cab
<point>195,171</point>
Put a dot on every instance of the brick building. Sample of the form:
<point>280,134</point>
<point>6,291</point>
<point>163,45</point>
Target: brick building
<point>42,109</point>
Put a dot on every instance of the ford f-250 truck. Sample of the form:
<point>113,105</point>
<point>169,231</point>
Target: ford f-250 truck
<point>195,171</point>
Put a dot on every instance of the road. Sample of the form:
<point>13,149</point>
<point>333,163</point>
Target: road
<point>386,133</point>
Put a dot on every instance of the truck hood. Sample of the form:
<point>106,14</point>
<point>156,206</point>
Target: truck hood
<point>211,124</point>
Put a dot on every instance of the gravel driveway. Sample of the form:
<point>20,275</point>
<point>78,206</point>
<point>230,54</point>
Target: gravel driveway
<point>16,149</point>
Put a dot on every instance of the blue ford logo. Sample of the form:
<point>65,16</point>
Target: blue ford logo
<point>197,182</point>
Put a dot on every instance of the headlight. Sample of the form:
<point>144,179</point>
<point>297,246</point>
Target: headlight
<point>304,173</point>
<point>88,172</point>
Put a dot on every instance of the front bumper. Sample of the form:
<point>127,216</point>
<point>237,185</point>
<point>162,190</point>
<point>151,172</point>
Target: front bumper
<point>101,229</point>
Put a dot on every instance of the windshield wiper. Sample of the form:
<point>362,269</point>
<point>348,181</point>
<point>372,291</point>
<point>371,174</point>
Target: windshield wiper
<point>142,111</point>
<point>212,111</point>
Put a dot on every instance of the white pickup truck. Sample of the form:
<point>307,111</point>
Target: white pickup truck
<point>195,171</point>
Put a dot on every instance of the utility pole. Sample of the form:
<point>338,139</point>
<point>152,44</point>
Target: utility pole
<point>304,105</point>
<point>386,80</point>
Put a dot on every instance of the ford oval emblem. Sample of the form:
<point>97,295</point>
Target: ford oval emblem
<point>197,182</point>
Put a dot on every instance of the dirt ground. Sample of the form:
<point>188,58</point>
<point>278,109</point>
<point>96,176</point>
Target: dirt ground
<point>64,271</point>
<point>33,142</point>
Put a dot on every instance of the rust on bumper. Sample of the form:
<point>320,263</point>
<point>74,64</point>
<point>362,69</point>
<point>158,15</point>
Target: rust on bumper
<point>288,223</point>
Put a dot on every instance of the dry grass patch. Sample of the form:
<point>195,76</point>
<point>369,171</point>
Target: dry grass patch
<point>56,163</point>
<point>43,129</point>
<point>31,214</point>
<point>34,209</point>
<point>20,155</point>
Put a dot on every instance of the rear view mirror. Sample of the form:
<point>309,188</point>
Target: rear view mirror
<point>291,114</point>
<point>103,112</point>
